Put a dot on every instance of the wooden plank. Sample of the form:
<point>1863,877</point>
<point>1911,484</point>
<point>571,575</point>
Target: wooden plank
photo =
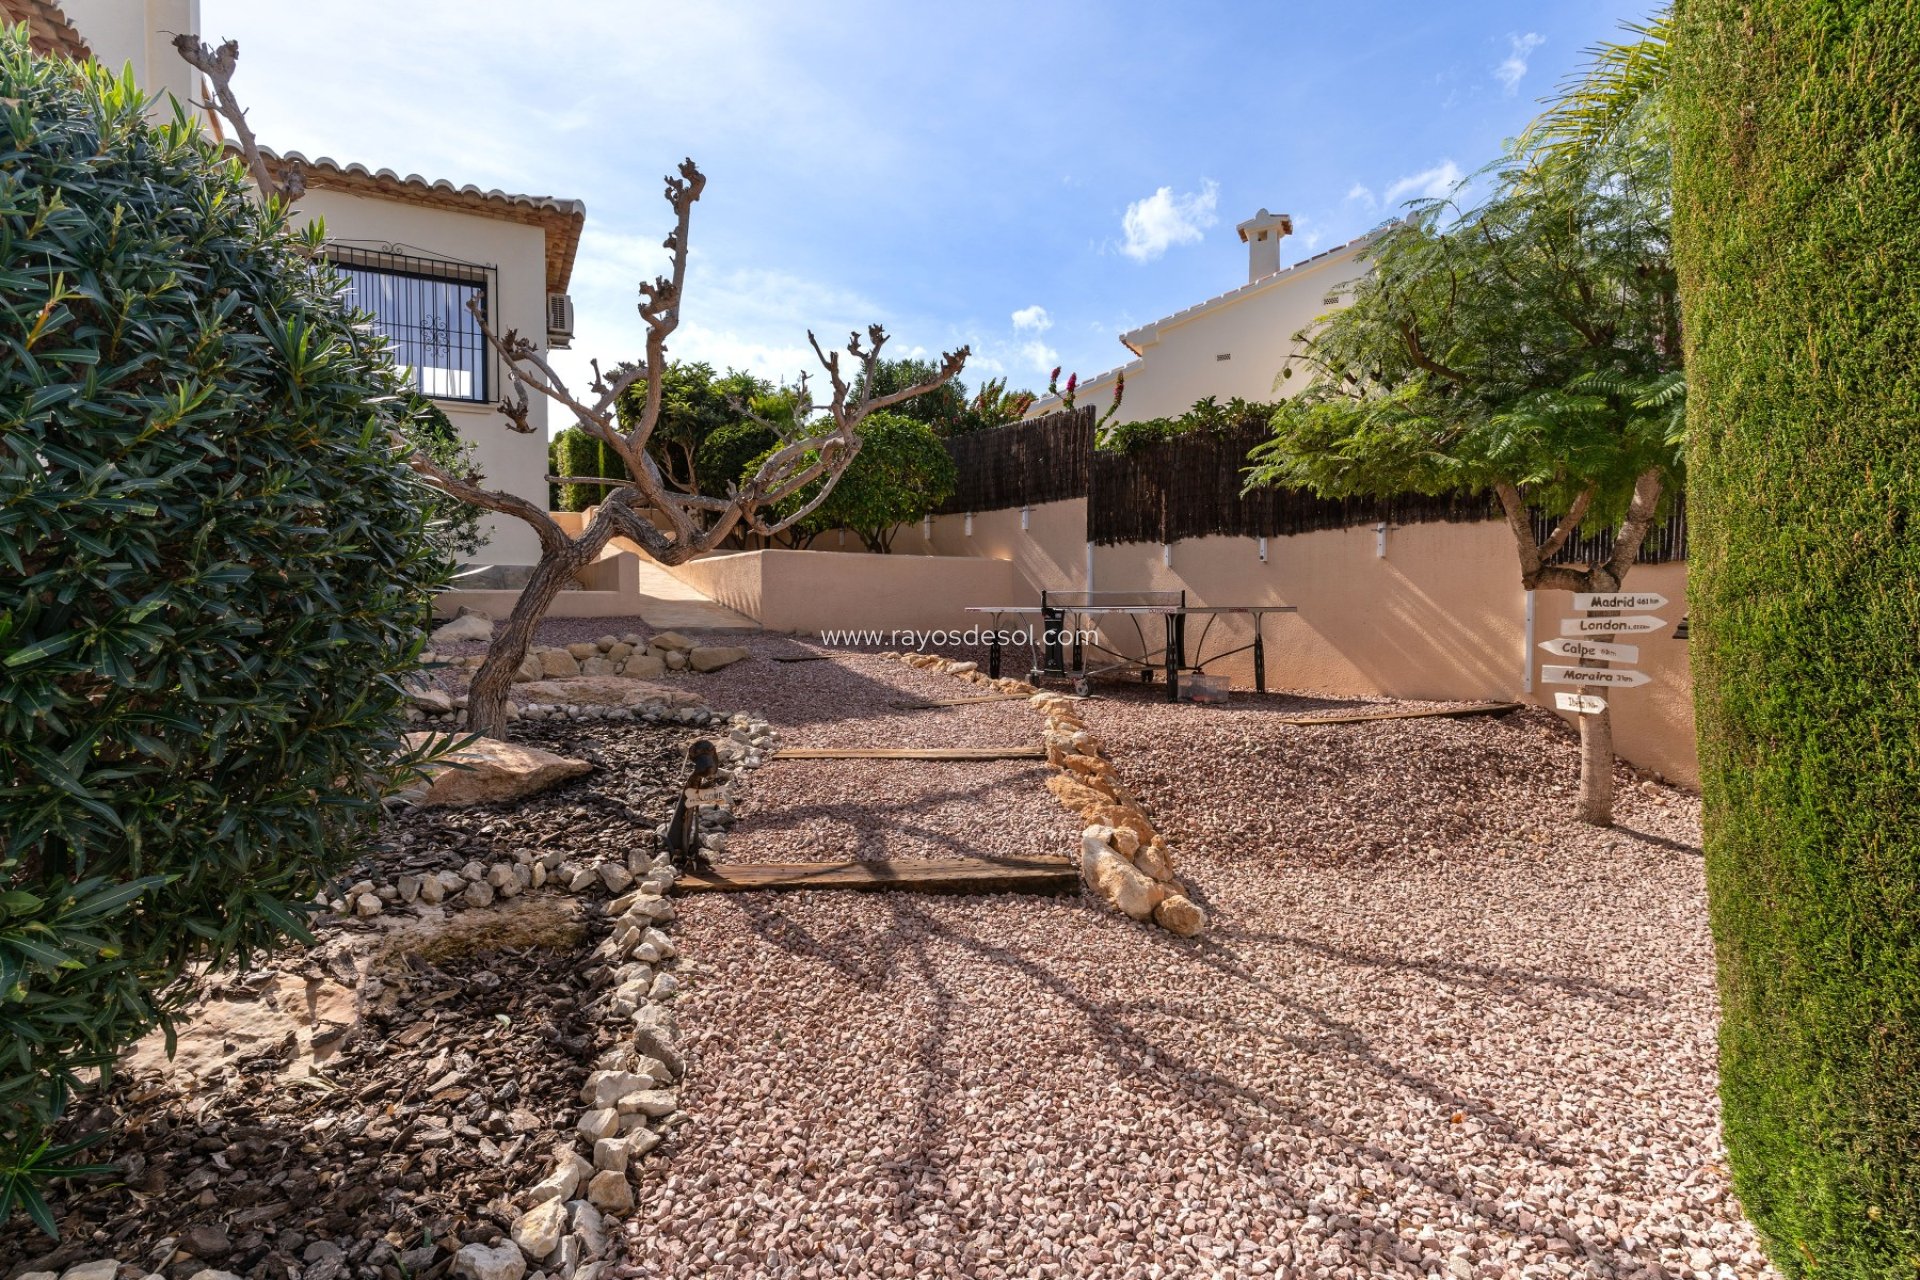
<point>962,702</point>
<point>913,875</point>
<point>1478,709</point>
<point>805,657</point>
<point>910,753</point>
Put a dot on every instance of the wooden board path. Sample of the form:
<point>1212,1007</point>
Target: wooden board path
<point>1478,709</point>
<point>962,702</point>
<point>910,753</point>
<point>908,875</point>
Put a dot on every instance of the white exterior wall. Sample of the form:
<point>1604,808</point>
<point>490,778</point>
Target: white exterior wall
<point>1179,361</point>
<point>141,32</point>
<point>517,252</point>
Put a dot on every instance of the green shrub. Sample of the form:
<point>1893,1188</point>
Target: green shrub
<point>729,455</point>
<point>1797,229</point>
<point>214,569</point>
<point>901,473</point>
<point>575,453</point>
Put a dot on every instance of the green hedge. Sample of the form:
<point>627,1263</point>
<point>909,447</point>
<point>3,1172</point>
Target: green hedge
<point>1797,220</point>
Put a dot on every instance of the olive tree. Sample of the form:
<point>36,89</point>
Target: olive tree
<point>817,443</point>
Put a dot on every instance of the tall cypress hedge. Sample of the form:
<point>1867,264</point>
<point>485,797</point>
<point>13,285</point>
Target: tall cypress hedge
<point>1797,222</point>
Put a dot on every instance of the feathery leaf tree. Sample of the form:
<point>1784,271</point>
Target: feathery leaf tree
<point>1529,345</point>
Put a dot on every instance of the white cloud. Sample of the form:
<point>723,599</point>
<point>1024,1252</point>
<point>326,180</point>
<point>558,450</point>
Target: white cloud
<point>1040,357</point>
<point>1361,193</point>
<point>1431,184</point>
<point>1034,317</point>
<point>1514,68</point>
<point>1163,219</point>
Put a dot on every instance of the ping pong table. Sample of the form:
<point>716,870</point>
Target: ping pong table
<point>1064,616</point>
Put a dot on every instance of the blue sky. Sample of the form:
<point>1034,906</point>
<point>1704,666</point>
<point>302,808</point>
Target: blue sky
<point>1030,178</point>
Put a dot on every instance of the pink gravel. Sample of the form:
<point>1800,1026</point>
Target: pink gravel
<point>1435,1029</point>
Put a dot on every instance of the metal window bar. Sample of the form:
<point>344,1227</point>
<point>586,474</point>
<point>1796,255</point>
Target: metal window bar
<point>420,305</point>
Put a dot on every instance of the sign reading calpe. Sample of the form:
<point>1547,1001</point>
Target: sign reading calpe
<point>1583,703</point>
<point>1585,600</point>
<point>1623,626</point>
<point>1593,649</point>
<point>1594,676</point>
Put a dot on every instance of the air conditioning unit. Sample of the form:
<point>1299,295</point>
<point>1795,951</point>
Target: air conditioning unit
<point>559,321</point>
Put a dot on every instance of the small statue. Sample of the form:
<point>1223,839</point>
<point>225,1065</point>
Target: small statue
<point>683,828</point>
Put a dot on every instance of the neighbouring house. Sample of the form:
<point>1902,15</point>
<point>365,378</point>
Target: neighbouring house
<point>416,252</point>
<point>1232,344</point>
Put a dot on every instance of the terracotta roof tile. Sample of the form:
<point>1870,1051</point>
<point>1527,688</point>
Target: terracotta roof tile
<point>562,220</point>
<point>47,27</point>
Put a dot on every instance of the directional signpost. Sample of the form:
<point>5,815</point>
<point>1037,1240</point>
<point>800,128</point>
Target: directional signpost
<point>1580,703</point>
<point>1595,676</point>
<point>1588,601</point>
<point>1631,624</point>
<point>1585,640</point>
<point>1592,649</point>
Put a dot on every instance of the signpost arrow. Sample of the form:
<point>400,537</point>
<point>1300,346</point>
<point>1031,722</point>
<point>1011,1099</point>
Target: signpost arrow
<point>1585,600</point>
<point>1592,649</point>
<point>1584,704</point>
<point>1628,625</point>
<point>1594,676</point>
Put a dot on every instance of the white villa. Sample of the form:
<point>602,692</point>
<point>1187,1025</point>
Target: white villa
<point>1232,344</point>
<point>416,251</point>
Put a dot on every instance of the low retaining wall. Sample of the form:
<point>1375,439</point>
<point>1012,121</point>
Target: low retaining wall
<point>609,588</point>
<point>1441,615</point>
<point>814,591</point>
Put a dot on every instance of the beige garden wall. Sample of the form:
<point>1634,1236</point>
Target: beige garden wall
<point>1441,615</point>
<point>809,592</point>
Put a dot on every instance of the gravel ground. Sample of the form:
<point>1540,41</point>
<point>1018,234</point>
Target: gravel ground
<point>1434,1030</point>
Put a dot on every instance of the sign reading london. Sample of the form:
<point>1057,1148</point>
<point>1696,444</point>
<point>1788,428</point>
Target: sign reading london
<point>1592,649</point>
<point>1631,624</point>
<point>1597,676</point>
<point>1587,601</point>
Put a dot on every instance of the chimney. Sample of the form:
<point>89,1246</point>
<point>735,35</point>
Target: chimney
<point>1262,234</point>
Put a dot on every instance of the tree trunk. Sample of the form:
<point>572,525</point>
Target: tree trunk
<point>493,682</point>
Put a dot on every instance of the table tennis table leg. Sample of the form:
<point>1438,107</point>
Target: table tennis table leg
<point>1259,658</point>
<point>993,655</point>
<point>1173,659</point>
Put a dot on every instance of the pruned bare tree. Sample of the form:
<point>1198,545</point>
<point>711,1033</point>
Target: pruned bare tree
<point>818,444</point>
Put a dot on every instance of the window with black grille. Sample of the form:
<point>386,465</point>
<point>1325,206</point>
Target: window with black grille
<point>421,305</point>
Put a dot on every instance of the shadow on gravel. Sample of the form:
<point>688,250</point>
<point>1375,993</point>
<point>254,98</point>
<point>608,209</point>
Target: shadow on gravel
<point>873,959</point>
<point>855,823</point>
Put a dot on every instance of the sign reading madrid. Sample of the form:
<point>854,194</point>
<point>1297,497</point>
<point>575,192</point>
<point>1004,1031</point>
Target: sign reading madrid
<point>1585,600</point>
<point>1628,625</point>
<point>1594,676</point>
<point>1584,704</point>
<point>1592,649</point>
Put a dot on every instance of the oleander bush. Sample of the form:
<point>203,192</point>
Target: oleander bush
<point>214,570</point>
<point>1797,233</point>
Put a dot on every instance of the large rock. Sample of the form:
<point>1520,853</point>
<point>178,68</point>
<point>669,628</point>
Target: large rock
<point>431,700</point>
<point>557,664</point>
<point>712,657</point>
<point>468,628</point>
<point>610,1192</point>
<point>529,669</point>
<point>502,1261</point>
<point>488,771</point>
<point>1130,890</point>
<point>670,640</point>
<point>643,666</point>
<point>605,691</point>
<point>1177,913</point>
<point>539,1229</point>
